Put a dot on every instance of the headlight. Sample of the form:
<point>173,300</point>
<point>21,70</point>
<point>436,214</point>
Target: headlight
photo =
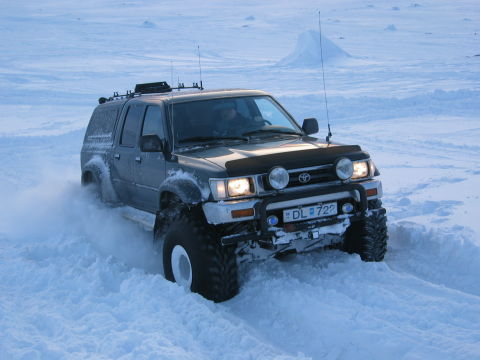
<point>360,169</point>
<point>239,187</point>
<point>225,188</point>
<point>344,168</point>
<point>278,178</point>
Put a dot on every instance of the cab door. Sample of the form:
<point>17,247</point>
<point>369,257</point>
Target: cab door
<point>125,152</point>
<point>150,166</point>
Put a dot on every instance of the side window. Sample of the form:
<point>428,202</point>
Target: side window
<point>153,124</point>
<point>271,112</point>
<point>130,127</point>
<point>100,128</point>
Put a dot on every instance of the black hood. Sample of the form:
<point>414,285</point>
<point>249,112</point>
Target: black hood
<point>258,158</point>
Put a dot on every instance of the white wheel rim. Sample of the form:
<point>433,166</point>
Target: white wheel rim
<point>181,266</point>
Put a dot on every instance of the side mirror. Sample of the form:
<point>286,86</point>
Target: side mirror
<point>151,143</point>
<point>310,126</point>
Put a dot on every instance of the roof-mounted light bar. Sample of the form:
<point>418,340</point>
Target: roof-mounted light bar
<point>152,88</point>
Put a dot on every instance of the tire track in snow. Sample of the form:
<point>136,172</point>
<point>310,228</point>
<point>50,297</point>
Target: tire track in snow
<point>331,305</point>
<point>432,254</point>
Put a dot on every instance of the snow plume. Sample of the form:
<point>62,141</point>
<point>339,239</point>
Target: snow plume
<point>108,192</point>
<point>80,281</point>
<point>59,213</point>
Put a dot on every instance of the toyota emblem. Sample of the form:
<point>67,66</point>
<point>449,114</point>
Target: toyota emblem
<point>304,178</point>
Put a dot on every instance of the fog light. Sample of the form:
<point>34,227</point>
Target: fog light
<point>347,208</point>
<point>278,178</point>
<point>344,168</point>
<point>272,220</point>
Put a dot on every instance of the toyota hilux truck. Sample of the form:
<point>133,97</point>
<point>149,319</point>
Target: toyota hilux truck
<point>230,176</point>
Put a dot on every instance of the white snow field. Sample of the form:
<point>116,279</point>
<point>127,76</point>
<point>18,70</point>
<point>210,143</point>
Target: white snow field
<point>79,281</point>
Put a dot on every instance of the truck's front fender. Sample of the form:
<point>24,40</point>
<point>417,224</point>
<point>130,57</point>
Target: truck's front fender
<point>187,190</point>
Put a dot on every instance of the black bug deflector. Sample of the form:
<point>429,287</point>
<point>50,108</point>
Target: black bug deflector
<point>293,159</point>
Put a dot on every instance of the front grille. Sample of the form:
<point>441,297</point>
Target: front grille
<point>317,175</point>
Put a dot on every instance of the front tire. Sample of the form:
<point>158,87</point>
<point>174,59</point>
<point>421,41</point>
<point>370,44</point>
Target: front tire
<point>368,237</point>
<point>194,258</point>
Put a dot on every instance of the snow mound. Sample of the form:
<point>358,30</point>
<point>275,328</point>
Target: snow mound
<point>307,51</point>
<point>148,24</point>
<point>391,27</point>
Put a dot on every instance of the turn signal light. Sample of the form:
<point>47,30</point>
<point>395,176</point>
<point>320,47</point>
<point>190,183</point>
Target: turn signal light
<point>242,213</point>
<point>371,192</point>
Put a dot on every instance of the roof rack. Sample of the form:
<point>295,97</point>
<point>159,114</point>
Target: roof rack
<point>149,88</point>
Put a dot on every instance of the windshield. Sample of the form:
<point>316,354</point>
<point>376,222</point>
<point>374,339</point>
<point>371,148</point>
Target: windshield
<point>230,119</point>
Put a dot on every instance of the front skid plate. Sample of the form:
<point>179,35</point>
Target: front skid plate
<point>254,252</point>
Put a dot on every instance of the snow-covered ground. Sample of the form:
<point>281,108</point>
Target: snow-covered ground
<point>77,280</point>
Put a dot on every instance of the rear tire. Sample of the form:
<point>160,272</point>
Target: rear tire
<point>92,181</point>
<point>194,258</point>
<point>368,237</point>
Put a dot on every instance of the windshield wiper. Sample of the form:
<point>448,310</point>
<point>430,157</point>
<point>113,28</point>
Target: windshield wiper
<point>275,131</point>
<point>211,138</point>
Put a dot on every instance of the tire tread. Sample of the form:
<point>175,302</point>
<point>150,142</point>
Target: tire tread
<point>368,237</point>
<point>217,279</point>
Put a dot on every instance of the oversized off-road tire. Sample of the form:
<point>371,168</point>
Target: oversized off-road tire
<point>368,237</point>
<point>194,258</point>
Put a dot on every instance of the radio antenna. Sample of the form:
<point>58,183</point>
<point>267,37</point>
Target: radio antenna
<point>200,67</point>
<point>323,77</point>
<point>171,106</point>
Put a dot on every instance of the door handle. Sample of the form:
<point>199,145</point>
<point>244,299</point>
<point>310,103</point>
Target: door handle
<point>138,159</point>
<point>117,156</point>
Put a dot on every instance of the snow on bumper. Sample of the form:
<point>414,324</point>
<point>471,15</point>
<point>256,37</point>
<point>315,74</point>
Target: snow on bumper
<point>316,234</point>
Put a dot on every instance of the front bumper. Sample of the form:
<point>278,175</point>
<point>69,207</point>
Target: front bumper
<point>221,212</point>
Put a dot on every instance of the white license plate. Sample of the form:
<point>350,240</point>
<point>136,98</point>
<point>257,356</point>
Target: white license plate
<point>310,212</point>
